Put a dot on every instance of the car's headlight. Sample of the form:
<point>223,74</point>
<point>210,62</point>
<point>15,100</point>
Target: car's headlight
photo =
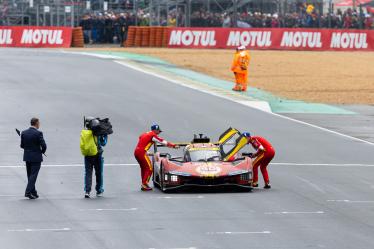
<point>246,176</point>
<point>178,173</point>
<point>237,172</point>
<point>173,178</point>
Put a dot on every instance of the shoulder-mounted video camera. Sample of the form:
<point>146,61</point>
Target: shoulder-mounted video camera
<point>99,127</point>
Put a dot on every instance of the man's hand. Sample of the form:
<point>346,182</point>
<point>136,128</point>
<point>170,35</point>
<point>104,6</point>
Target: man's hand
<point>171,145</point>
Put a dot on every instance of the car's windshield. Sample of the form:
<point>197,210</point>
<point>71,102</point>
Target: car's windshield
<point>204,155</point>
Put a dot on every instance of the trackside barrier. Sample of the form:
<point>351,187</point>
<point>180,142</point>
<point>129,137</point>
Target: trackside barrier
<point>277,38</point>
<point>35,37</point>
<point>144,36</point>
<point>78,38</point>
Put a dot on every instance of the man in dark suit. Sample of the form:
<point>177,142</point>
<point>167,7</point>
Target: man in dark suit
<point>34,146</point>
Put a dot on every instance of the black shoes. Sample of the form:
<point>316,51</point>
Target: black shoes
<point>87,195</point>
<point>32,196</point>
<point>145,187</point>
<point>267,186</point>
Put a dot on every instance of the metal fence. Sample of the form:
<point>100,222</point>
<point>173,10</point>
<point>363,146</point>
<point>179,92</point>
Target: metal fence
<point>68,13</point>
<point>216,13</point>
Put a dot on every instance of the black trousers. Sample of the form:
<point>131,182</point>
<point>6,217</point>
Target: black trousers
<point>93,163</point>
<point>32,174</point>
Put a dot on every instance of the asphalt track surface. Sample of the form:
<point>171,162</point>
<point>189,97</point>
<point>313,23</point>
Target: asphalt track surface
<point>318,200</point>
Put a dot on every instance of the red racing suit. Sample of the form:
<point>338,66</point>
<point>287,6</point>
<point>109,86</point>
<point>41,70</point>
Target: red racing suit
<point>146,140</point>
<point>264,154</point>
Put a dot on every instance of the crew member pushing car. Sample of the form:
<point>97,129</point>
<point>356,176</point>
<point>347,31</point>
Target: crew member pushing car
<point>146,140</point>
<point>263,155</point>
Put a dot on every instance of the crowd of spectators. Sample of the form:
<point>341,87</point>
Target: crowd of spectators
<point>110,27</point>
<point>348,19</point>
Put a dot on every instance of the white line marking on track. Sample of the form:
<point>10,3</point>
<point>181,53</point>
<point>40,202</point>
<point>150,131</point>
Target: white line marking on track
<point>176,248</point>
<point>179,197</point>
<point>255,104</point>
<point>102,56</point>
<point>110,209</point>
<point>301,212</point>
<point>349,201</point>
<point>325,164</point>
<point>237,233</point>
<point>71,165</point>
<point>239,102</point>
<point>41,230</point>
<point>135,164</point>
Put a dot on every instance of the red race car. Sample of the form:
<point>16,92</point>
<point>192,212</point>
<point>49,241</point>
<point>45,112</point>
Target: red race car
<point>205,164</point>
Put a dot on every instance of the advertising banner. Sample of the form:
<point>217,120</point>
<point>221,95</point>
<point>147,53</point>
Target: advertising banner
<point>276,38</point>
<point>36,37</point>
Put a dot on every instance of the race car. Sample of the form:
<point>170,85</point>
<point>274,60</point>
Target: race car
<point>204,164</point>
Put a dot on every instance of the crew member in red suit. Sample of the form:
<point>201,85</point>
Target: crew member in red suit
<point>262,157</point>
<point>146,140</point>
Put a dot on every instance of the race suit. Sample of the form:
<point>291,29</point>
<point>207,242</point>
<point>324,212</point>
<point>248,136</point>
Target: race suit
<point>264,154</point>
<point>146,140</point>
<point>240,68</point>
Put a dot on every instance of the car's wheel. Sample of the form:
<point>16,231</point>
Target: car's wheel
<point>155,178</point>
<point>246,189</point>
<point>162,177</point>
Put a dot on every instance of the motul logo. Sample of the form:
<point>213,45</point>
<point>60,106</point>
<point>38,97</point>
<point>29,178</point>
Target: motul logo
<point>42,36</point>
<point>266,38</point>
<point>249,38</point>
<point>349,40</point>
<point>6,36</point>
<point>301,39</point>
<point>195,38</point>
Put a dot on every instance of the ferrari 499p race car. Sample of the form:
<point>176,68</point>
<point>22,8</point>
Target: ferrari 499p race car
<point>205,164</point>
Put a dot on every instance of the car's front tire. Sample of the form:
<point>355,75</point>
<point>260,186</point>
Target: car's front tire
<point>162,177</point>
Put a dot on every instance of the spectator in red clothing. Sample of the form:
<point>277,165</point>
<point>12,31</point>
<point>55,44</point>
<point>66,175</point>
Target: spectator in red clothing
<point>368,21</point>
<point>275,21</point>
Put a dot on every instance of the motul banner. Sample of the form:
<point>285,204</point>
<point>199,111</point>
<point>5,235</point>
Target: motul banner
<point>284,39</point>
<point>37,37</point>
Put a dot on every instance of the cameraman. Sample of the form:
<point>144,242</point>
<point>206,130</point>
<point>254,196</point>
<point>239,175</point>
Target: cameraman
<point>91,147</point>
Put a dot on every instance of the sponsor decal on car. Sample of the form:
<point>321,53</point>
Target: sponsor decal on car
<point>208,170</point>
